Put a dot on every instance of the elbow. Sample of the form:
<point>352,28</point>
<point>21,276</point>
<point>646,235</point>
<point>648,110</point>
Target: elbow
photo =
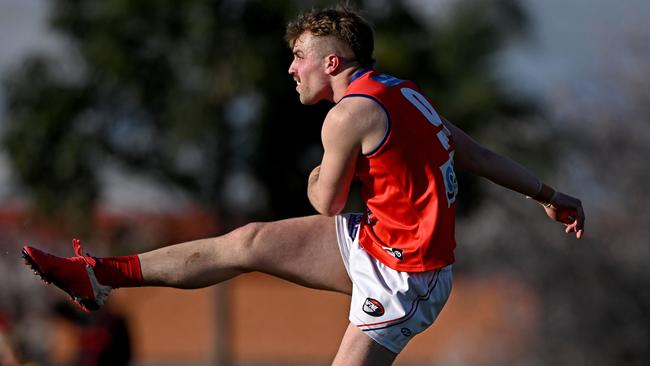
<point>328,213</point>
<point>332,211</point>
<point>328,203</point>
<point>329,210</point>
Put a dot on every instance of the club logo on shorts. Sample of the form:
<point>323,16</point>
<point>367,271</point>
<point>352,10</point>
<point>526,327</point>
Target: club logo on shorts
<point>373,307</point>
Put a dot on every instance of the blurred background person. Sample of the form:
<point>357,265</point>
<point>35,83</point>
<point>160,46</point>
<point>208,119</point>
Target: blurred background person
<point>8,356</point>
<point>98,339</point>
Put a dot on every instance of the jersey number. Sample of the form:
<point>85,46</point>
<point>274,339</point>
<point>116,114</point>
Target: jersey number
<point>447,169</point>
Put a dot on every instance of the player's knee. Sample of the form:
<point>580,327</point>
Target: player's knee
<point>247,241</point>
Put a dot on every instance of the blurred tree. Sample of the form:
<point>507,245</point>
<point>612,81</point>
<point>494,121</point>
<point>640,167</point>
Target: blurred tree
<point>150,87</point>
<point>595,302</point>
<point>196,94</point>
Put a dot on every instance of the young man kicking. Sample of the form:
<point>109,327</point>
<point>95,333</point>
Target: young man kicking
<point>394,260</point>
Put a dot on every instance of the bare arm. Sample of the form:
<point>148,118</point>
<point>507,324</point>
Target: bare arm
<point>329,183</point>
<point>353,126</point>
<point>478,160</point>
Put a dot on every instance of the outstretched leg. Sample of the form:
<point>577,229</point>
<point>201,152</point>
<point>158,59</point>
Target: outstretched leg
<point>302,250</point>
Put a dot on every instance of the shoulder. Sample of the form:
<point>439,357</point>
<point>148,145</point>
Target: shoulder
<point>357,111</point>
<point>355,120</point>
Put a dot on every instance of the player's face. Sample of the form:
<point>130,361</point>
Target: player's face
<point>308,70</point>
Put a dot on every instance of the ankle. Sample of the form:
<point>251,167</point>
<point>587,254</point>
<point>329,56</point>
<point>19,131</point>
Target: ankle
<point>123,271</point>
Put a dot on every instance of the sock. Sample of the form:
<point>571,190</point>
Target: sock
<point>117,272</point>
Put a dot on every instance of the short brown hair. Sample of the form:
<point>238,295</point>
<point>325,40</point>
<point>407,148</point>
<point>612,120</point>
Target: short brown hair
<point>342,23</point>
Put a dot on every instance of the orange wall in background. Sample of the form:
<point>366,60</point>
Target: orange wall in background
<point>275,322</point>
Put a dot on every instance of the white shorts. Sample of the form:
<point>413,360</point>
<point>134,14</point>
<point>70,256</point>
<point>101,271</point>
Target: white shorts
<point>390,306</point>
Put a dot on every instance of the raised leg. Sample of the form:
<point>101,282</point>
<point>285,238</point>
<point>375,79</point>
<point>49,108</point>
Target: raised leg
<point>301,250</point>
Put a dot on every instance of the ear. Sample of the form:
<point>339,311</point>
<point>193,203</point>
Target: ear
<point>332,63</point>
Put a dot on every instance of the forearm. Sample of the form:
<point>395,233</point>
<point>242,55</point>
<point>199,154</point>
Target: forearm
<point>324,198</point>
<point>506,173</point>
<point>478,160</point>
<point>313,193</point>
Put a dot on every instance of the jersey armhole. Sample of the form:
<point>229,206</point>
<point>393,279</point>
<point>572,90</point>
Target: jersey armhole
<point>388,125</point>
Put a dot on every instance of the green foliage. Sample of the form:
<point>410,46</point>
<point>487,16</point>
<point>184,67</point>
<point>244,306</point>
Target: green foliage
<point>154,85</point>
<point>47,144</point>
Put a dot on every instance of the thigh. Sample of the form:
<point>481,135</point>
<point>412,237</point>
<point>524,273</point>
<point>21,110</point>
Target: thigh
<point>358,349</point>
<point>302,250</point>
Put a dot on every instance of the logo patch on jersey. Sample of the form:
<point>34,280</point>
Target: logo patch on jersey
<point>373,307</point>
<point>406,332</point>
<point>397,253</point>
<point>451,184</point>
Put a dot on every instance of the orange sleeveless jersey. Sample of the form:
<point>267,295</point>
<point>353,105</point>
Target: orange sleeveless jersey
<point>408,183</point>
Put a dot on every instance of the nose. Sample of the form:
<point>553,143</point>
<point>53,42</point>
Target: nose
<point>292,69</point>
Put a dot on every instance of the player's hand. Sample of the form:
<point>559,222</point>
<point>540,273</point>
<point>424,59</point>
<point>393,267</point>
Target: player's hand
<point>567,210</point>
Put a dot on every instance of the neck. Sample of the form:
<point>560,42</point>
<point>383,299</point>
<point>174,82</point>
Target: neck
<point>341,82</point>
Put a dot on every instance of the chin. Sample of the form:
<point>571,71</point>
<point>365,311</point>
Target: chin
<point>308,101</point>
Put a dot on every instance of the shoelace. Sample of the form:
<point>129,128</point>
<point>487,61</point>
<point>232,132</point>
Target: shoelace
<point>78,251</point>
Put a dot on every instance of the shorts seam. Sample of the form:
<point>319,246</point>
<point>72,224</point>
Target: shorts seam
<point>386,343</point>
